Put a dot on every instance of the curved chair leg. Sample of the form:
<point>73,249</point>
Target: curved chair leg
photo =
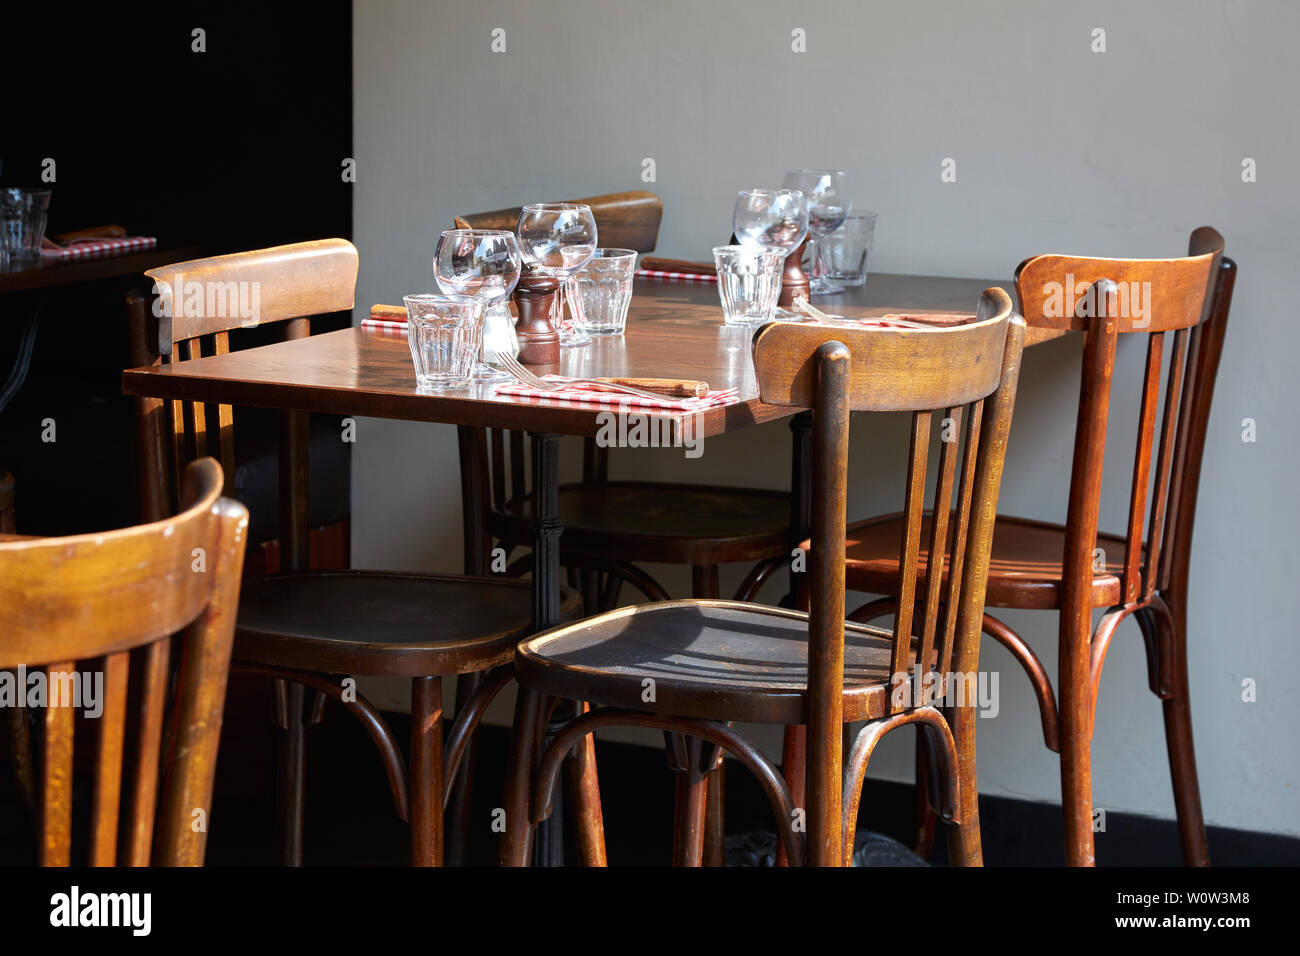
<point>1037,673</point>
<point>539,801</point>
<point>710,813</point>
<point>460,787</point>
<point>360,708</point>
<point>926,818</point>
<point>1075,730</point>
<point>794,766</point>
<point>516,844</point>
<point>690,760</point>
<point>425,777</point>
<point>584,785</point>
<point>1178,740</point>
<point>756,577</point>
<point>469,711</point>
<point>932,723</point>
<point>292,766</point>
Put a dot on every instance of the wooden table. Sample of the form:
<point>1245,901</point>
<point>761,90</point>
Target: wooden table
<point>47,272</point>
<point>674,330</point>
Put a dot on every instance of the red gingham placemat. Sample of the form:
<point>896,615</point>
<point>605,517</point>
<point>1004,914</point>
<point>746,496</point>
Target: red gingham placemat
<point>676,276</point>
<point>579,395</point>
<point>384,325</point>
<point>102,247</point>
<point>941,320</point>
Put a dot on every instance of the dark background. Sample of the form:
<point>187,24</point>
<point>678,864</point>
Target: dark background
<point>236,148</point>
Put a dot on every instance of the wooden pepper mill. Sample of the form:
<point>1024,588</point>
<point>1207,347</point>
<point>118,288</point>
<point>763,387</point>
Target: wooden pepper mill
<point>539,342</point>
<point>794,281</point>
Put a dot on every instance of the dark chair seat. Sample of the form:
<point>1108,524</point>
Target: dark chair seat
<point>1025,570</point>
<point>384,623</point>
<point>716,660</point>
<point>659,521</point>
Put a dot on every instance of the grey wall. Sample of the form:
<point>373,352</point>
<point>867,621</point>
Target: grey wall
<point>1058,149</point>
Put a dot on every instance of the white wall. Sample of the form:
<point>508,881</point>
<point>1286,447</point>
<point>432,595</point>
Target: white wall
<point>1058,149</point>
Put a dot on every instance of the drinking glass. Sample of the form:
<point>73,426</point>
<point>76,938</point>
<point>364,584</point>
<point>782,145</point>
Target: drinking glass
<point>770,219</point>
<point>749,281</point>
<point>485,264</point>
<point>445,334</point>
<point>844,253</point>
<point>558,238</point>
<point>600,293</point>
<point>24,212</point>
<point>827,209</point>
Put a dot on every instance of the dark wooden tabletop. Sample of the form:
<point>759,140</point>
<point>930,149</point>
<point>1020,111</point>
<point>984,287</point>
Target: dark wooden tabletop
<point>22,275</point>
<point>674,330</point>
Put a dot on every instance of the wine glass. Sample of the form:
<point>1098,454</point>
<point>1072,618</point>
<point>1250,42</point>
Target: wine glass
<point>771,219</point>
<point>484,264</point>
<point>558,239</point>
<point>828,207</point>
<point>776,218</point>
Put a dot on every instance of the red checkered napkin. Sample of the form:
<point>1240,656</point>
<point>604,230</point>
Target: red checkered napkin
<point>895,321</point>
<point>91,248</point>
<point>583,395</point>
<point>676,276</point>
<point>384,325</point>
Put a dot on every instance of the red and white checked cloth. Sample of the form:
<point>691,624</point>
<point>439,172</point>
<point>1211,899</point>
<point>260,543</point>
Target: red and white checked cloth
<point>676,276</point>
<point>101,247</point>
<point>938,320</point>
<point>383,325</point>
<point>579,395</point>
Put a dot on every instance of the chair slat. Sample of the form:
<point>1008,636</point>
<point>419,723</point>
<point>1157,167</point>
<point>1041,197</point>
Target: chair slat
<point>957,563</point>
<point>226,423</point>
<point>940,510</point>
<point>910,546</point>
<point>148,752</point>
<point>1137,511</point>
<point>56,801</point>
<point>1191,378</point>
<point>1164,463</point>
<point>108,771</point>
<point>197,413</point>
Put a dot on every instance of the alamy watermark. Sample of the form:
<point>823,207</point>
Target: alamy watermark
<point>1080,300</point>
<point>194,299</point>
<point>970,689</point>
<point>82,690</point>
<point>629,429</point>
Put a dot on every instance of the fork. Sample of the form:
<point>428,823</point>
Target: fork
<point>512,365</point>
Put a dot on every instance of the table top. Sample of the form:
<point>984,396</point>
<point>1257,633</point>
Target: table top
<point>20,275</point>
<point>674,330</point>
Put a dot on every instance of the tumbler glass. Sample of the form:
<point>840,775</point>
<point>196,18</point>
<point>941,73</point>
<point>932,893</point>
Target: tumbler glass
<point>444,332</point>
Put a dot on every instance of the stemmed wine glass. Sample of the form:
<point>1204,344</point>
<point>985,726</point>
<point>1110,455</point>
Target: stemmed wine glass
<point>828,207</point>
<point>771,219</point>
<point>558,239</point>
<point>484,264</point>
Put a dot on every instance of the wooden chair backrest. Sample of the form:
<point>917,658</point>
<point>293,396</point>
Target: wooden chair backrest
<point>968,375</point>
<point>189,315</point>
<point>627,220</point>
<point>98,597</point>
<point>1188,297</point>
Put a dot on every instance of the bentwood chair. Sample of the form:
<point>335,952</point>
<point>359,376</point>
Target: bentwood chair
<point>315,631</point>
<point>690,667</point>
<point>612,529</point>
<point>103,599</point>
<point>1073,569</point>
